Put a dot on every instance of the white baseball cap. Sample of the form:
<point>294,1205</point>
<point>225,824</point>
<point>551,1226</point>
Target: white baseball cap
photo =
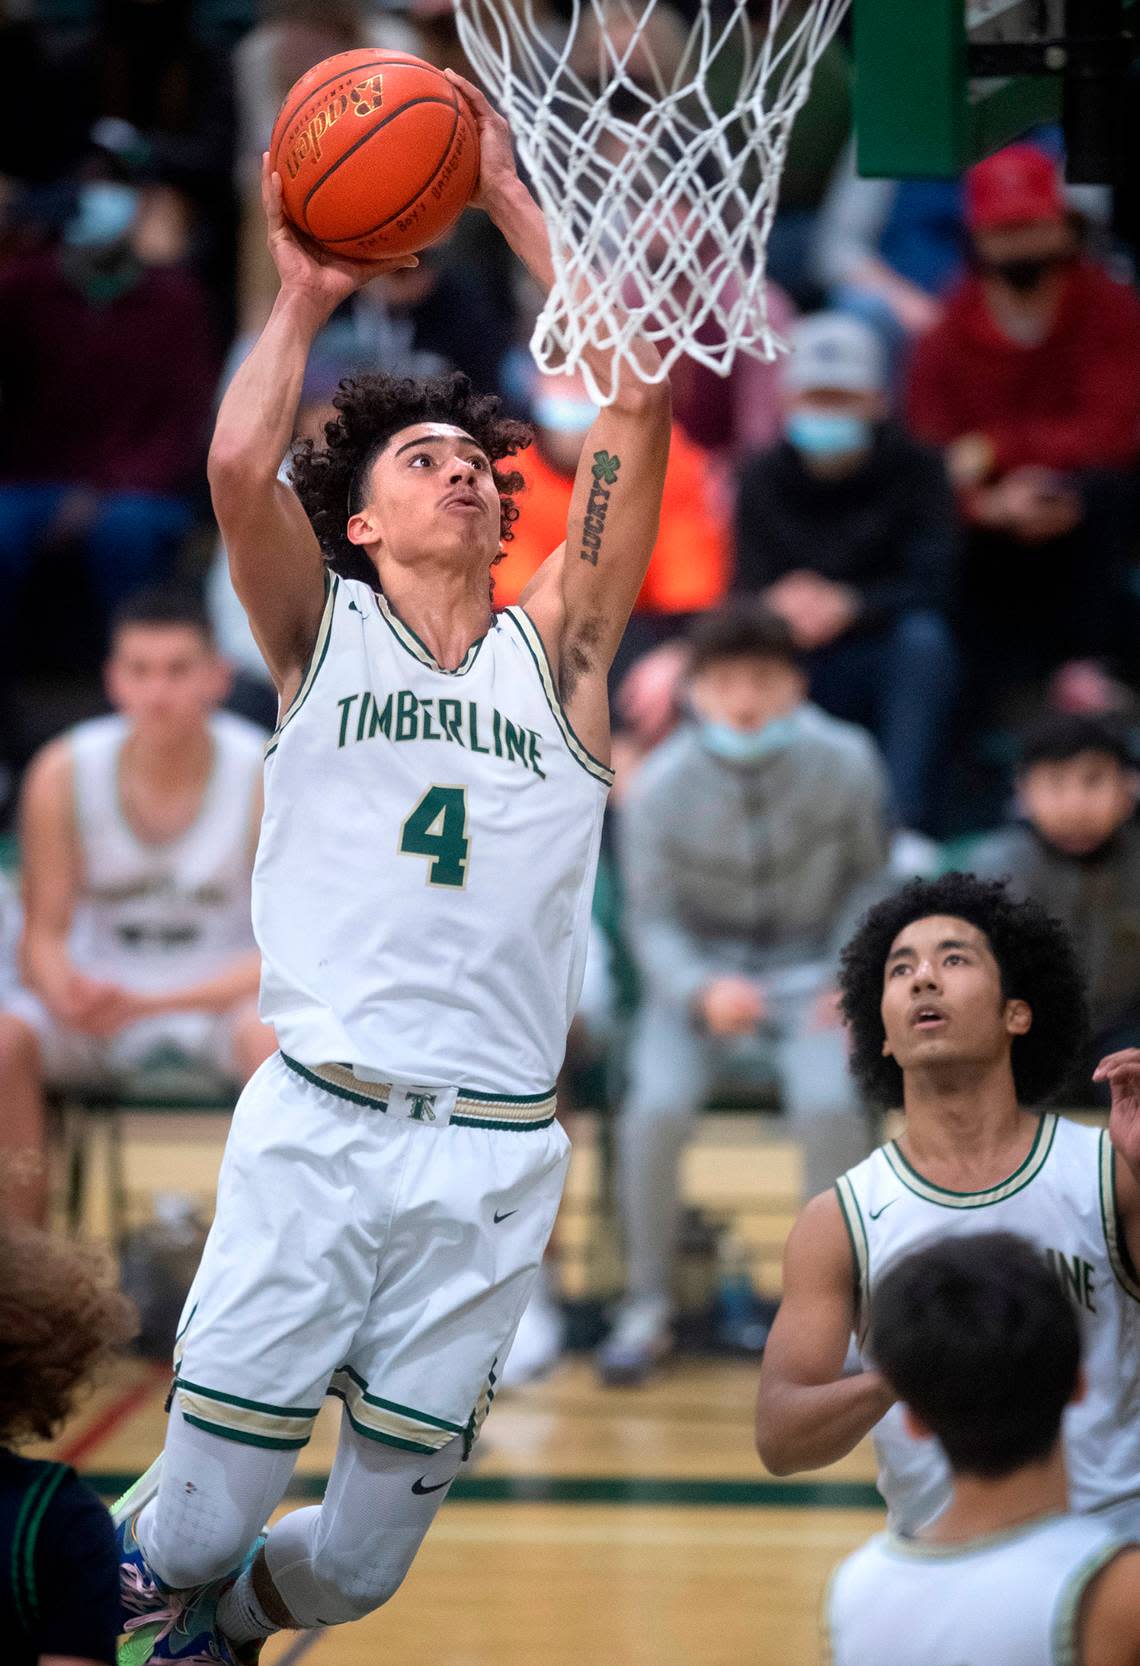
<point>834,350</point>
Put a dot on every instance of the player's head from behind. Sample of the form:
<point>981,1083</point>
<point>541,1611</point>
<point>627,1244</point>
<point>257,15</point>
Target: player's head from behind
<point>954,980</point>
<point>979,1342</point>
<point>410,472</point>
<point>744,681</point>
<point>61,1317</point>
<point>1076,782</point>
<point>163,669</point>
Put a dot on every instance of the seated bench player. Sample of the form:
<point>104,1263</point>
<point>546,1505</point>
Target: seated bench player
<point>137,837</point>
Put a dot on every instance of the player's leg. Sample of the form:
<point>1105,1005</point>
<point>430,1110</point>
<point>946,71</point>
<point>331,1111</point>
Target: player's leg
<point>23,1136</point>
<point>671,1066</point>
<point>287,1273</point>
<point>341,1560</point>
<point>214,1496</point>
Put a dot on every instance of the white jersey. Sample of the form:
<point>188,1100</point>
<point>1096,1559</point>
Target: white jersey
<point>159,916</point>
<point>426,868</point>
<point>1063,1199</point>
<point>1011,1598</point>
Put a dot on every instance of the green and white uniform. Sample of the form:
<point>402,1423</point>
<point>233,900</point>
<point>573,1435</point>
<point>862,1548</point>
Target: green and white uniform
<point>422,901</point>
<point>155,916</point>
<point>1063,1199</point>
<point>1012,1597</point>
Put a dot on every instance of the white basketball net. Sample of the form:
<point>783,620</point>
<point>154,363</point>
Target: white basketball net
<point>658,181</point>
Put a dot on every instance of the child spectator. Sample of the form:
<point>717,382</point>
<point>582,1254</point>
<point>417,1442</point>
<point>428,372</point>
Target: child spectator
<point>847,529</point>
<point>61,1318</point>
<point>746,839</point>
<point>1076,851</point>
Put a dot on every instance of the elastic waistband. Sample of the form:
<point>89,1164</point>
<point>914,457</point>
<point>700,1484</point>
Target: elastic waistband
<point>520,1113</point>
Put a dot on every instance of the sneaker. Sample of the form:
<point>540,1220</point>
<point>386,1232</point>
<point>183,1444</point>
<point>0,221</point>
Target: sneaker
<point>186,1629</point>
<point>537,1346</point>
<point>140,1590</point>
<point>638,1342</point>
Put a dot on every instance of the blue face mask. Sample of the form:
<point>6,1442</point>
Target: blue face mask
<point>827,434</point>
<point>105,216</point>
<point>748,746</point>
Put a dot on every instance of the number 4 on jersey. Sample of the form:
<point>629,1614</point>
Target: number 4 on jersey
<point>437,828</point>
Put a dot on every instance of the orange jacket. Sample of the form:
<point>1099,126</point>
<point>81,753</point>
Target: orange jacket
<point>690,563</point>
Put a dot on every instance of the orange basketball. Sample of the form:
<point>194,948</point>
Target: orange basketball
<point>377,152</point>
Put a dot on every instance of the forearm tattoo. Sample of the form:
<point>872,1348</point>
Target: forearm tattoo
<point>605,473</point>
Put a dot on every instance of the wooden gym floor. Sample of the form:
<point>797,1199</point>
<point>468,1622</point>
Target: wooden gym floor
<point>594,1527</point>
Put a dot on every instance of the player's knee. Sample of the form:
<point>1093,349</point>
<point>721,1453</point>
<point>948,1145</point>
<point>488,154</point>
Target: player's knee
<point>353,1587</point>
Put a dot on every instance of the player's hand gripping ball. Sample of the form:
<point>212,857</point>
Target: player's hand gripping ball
<point>378,154</point>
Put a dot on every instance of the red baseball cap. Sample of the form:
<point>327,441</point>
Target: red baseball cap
<point>1014,186</point>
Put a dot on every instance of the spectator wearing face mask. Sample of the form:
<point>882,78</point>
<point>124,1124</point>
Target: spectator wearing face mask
<point>1031,382</point>
<point>1076,850</point>
<point>747,841</point>
<point>846,528</point>
<point>107,372</point>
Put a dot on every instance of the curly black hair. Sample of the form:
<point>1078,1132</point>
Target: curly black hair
<point>1035,958</point>
<point>330,480</point>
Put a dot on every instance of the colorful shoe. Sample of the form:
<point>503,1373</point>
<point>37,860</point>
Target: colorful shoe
<point>141,1592</point>
<point>186,1628</point>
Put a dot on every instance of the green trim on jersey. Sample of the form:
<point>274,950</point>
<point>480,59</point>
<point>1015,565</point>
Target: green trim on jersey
<point>1026,1171</point>
<point>22,1569</point>
<point>908,1549</point>
<point>525,626</point>
<point>860,1245</point>
<point>1066,1643</point>
<point>316,660</point>
<point>414,645</point>
<point>1110,1219</point>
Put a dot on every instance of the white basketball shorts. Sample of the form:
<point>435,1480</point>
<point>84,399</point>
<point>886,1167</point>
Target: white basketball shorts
<point>373,1241</point>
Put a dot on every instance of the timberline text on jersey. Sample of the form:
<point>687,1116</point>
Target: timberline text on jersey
<point>406,716</point>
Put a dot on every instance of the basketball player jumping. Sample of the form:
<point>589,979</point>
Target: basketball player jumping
<point>965,1007</point>
<point>982,1346</point>
<point>434,798</point>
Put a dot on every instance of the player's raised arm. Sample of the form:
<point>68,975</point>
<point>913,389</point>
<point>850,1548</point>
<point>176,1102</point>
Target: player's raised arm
<point>582,600</point>
<point>274,557</point>
<point>807,1412</point>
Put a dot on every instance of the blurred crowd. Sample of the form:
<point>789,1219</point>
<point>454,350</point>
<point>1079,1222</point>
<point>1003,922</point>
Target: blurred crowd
<point>889,626</point>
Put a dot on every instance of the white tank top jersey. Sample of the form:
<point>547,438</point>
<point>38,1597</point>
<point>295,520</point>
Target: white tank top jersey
<point>160,916</point>
<point>1010,1599</point>
<point>425,874</point>
<point>1063,1199</point>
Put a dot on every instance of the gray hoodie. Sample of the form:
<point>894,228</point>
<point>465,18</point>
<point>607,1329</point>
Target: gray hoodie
<point>749,866</point>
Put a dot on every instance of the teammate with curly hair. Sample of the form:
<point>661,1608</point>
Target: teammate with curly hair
<point>965,1008</point>
<point>434,800</point>
<point>61,1319</point>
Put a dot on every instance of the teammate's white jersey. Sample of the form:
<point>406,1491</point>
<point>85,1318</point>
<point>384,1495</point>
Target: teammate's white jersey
<point>426,868</point>
<point>1063,1199</point>
<point>1011,1599</point>
<point>164,915</point>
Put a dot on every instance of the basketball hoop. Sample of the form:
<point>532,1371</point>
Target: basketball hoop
<point>655,150</point>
